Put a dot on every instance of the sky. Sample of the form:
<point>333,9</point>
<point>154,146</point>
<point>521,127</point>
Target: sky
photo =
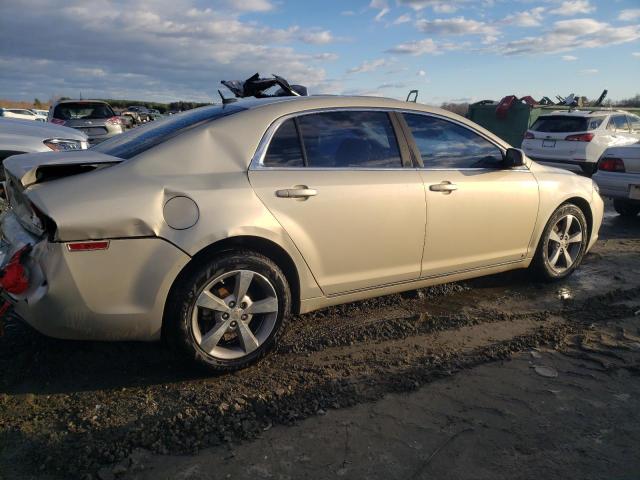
<point>455,50</point>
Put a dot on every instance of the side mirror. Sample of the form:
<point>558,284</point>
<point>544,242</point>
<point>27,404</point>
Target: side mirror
<point>513,157</point>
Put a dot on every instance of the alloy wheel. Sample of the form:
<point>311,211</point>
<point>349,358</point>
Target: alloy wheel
<point>234,314</point>
<point>564,243</point>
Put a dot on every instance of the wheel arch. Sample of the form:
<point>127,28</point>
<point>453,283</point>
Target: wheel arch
<point>260,245</point>
<point>584,206</point>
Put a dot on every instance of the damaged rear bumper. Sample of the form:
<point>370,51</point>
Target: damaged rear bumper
<point>117,293</point>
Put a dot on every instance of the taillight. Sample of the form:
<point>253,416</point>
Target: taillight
<point>611,165</point>
<point>581,137</point>
<point>57,121</point>
<point>529,136</point>
<point>88,246</point>
<point>114,121</point>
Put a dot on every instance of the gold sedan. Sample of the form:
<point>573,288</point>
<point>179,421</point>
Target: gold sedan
<point>211,227</point>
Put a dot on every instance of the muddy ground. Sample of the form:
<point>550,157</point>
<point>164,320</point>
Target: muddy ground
<point>496,377</point>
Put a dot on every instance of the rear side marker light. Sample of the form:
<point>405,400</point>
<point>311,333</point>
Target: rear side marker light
<point>611,165</point>
<point>57,121</point>
<point>529,136</point>
<point>87,246</point>
<point>581,137</point>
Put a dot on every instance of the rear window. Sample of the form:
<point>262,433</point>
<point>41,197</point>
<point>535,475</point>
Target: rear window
<point>565,123</point>
<point>82,110</point>
<point>134,142</point>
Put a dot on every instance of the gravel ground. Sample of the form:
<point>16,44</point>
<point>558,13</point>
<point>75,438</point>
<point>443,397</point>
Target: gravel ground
<point>100,410</point>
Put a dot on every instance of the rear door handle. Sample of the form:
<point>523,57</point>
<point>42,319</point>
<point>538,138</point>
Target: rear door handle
<point>444,187</point>
<point>299,192</point>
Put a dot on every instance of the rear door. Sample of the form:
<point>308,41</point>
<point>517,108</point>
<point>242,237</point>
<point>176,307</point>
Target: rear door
<point>339,185</point>
<point>479,214</point>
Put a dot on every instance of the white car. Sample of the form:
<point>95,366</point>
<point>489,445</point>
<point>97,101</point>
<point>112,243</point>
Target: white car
<point>21,113</point>
<point>22,136</point>
<point>579,138</point>
<point>618,177</point>
<point>41,114</point>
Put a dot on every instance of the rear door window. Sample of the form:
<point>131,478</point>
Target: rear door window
<point>634,123</point>
<point>447,145</point>
<point>560,124</point>
<point>619,123</point>
<point>285,149</point>
<point>349,139</point>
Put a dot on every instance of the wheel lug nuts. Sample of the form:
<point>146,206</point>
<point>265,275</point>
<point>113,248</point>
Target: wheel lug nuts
<point>225,315</point>
<point>234,324</point>
<point>243,305</point>
<point>244,317</point>
<point>232,304</point>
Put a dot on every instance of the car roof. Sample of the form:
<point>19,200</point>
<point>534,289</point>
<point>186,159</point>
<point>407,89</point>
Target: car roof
<point>311,102</point>
<point>81,101</point>
<point>585,113</point>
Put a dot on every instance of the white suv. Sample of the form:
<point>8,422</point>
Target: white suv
<point>579,138</point>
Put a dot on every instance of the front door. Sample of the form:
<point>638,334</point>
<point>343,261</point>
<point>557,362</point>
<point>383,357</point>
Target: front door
<point>478,213</point>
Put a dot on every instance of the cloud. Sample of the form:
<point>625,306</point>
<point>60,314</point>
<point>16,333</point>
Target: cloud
<point>589,71</point>
<point>569,58</point>
<point>330,57</point>
<point>456,26</point>
<point>636,54</point>
<point>571,34</point>
<point>391,85</point>
<point>418,47</point>
<point>347,13</point>
<point>421,73</point>
<point>382,6</point>
<point>402,19</point>
<point>156,50</point>
<point>438,6</point>
<point>251,5</point>
<point>529,18</point>
<point>445,8</point>
<point>318,37</point>
<point>629,15</point>
<point>368,66</point>
<point>573,7</point>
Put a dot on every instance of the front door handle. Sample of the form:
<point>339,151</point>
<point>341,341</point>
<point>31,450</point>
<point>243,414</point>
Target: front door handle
<point>298,192</point>
<point>444,187</point>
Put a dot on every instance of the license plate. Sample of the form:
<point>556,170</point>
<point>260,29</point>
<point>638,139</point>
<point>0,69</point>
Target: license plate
<point>549,143</point>
<point>634,192</point>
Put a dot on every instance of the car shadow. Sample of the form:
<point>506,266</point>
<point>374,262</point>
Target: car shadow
<point>33,363</point>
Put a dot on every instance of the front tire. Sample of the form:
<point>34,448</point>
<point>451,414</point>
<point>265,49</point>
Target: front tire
<point>562,245</point>
<point>626,208</point>
<point>228,312</point>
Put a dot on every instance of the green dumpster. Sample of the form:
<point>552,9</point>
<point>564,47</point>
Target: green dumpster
<point>512,126</point>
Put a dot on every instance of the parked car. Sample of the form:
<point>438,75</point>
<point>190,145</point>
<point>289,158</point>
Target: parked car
<point>24,136</point>
<point>41,114</point>
<point>93,117</point>
<point>618,177</point>
<point>579,138</point>
<point>275,206</point>
<point>142,112</point>
<point>20,113</point>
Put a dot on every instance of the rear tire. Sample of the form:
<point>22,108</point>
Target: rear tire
<point>562,244</point>
<point>212,327</point>
<point>626,208</point>
<point>588,169</point>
